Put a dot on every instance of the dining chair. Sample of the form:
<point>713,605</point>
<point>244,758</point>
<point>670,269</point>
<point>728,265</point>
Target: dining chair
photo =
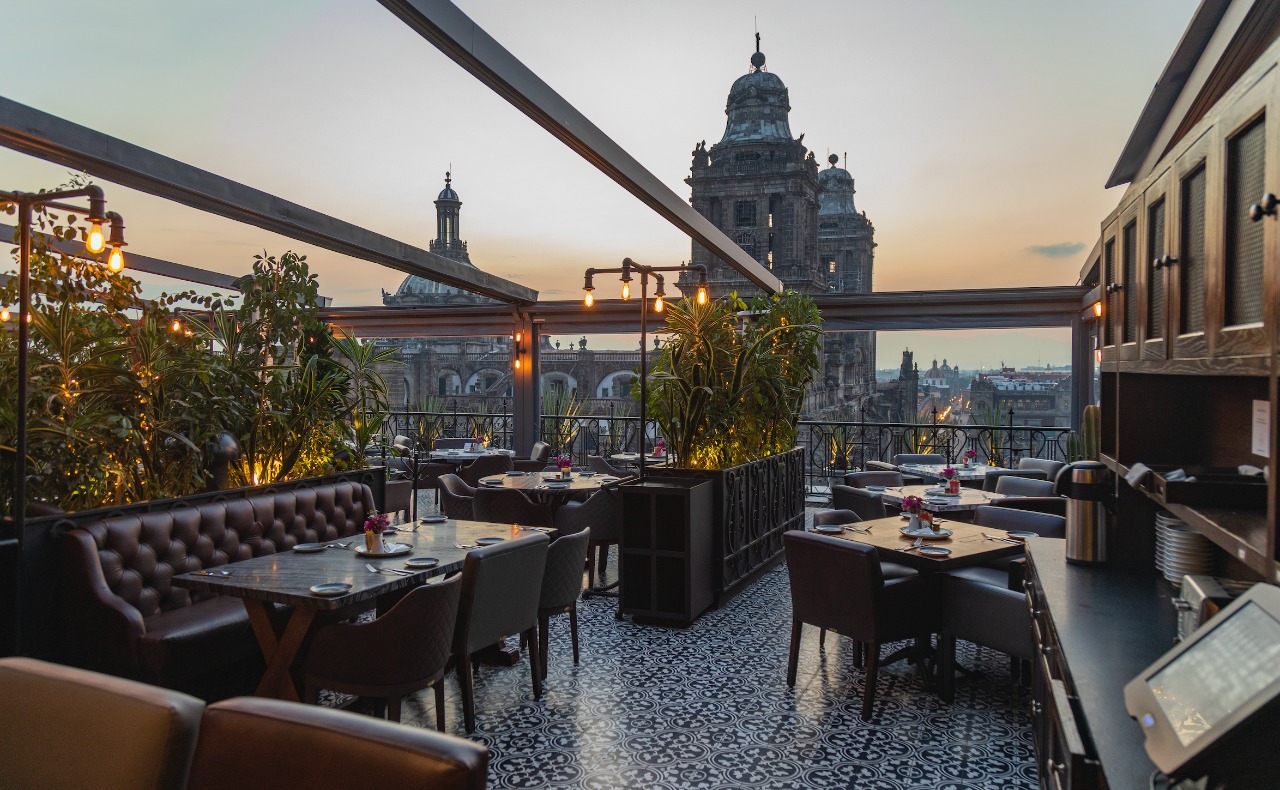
<point>1054,505</point>
<point>1048,466</point>
<point>864,479</point>
<point>429,474</point>
<point>508,506</point>
<point>537,458</point>
<point>999,572</point>
<point>391,656</point>
<point>869,505</point>
<point>485,465</point>
<point>889,570</point>
<point>837,584</point>
<point>402,444</point>
<point>601,514</point>
<point>457,499</point>
<point>985,615</point>
<point>992,477</point>
<point>601,466</point>
<point>885,466</point>
<point>1011,486</point>
<point>561,588</point>
<point>501,585</point>
<point>924,459</point>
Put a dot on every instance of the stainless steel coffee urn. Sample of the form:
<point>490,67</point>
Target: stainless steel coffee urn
<point>1084,483</point>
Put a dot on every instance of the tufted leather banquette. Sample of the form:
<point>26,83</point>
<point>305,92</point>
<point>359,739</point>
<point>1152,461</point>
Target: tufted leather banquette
<point>121,613</point>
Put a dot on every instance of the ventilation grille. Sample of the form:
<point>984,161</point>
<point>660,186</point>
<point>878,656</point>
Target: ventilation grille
<point>1129,259</point>
<point>1191,252</point>
<point>1155,291</point>
<point>1246,159</point>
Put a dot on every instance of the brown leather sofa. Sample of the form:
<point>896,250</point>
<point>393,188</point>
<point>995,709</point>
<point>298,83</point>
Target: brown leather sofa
<point>131,735</point>
<point>120,612</point>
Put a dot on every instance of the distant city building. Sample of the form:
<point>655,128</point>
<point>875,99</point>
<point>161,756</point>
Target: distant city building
<point>899,400</point>
<point>1039,398</point>
<point>763,188</point>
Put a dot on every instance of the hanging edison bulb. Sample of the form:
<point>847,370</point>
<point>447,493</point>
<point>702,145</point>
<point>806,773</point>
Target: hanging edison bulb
<point>95,242</point>
<point>658,305</point>
<point>4,314</point>
<point>116,261</point>
<point>626,291</point>
<point>702,295</point>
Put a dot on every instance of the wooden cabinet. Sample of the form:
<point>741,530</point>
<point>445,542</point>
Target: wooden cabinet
<point>665,552</point>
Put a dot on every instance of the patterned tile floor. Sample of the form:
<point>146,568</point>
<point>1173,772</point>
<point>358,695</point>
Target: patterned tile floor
<point>708,707</point>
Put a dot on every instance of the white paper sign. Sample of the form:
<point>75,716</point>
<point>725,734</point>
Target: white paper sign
<point>1262,428</point>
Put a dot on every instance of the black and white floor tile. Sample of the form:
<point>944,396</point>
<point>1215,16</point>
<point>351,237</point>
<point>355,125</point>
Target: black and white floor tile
<point>708,708</point>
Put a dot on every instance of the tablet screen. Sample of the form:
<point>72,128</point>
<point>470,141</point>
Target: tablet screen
<point>1223,670</point>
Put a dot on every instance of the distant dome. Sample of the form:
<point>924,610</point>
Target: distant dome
<point>447,193</point>
<point>758,106</point>
<point>414,285</point>
<point>837,191</point>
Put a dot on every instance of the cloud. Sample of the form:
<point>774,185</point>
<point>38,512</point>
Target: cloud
<point>1065,249</point>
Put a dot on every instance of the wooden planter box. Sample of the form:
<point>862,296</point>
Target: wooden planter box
<point>753,504</point>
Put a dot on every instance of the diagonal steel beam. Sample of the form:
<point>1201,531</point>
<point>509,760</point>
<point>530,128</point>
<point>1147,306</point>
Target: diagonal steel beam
<point>468,45</point>
<point>48,137</point>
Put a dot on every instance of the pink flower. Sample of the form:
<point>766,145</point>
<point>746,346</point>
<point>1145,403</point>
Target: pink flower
<point>377,522</point>
<point>912,504</point>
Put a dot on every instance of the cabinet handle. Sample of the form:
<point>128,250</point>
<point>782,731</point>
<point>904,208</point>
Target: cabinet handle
<point>1163,261</point>
<point>1264,208</point>
<point>1113,287</point>
<point>1036,708</point>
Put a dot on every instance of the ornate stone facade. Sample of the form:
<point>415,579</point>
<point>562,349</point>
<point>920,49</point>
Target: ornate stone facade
<point>764,190</point>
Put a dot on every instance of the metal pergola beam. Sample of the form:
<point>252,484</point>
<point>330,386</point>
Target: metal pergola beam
<point>143,263</point>
<point>1000,308</point>
<point>39,134</point>
<point>468,45</point>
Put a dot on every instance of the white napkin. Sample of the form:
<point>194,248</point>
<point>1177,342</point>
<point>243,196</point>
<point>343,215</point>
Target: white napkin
<point>1137,473</point>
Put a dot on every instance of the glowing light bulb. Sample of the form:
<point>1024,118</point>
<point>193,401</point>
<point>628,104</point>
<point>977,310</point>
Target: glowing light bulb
<point>95,242</point>
<point>29,315</point>
<point>517,363</point>
<point>1097,355</point>
<point>588,300</point>
<point>116,262</point>
<point>626,291</point>
<point>177,325</point>
<point>702,295</point>
<point>4,314</point>
<point>658,305</point>
<point>1097,309</point>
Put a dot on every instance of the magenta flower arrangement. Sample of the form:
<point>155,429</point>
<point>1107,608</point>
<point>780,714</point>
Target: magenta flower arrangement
<point>971,454</point>
<point>377,522</point>
<point>660,448</point>
<point>563,461</point>
<point>948,472</point>
<point>912,504</point>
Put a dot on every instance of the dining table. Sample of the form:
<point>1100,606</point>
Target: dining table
<point>976,473</point>
<point>935,501</point>
<point>287,578</point>
<point>632,459</point>
<point>968,544</point>
<point>461,457</point>
<point>549,489</point>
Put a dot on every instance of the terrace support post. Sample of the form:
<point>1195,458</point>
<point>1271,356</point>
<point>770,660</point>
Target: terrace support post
<point>1081,370</point>
<point>526,404</point>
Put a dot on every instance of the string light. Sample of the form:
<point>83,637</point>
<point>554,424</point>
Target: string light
<point>4,314</point>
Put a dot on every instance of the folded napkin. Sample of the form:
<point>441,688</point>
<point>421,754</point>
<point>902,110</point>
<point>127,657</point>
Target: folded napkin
<point>1137,473</point>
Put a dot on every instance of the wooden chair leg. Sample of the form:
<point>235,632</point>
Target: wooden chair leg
<point>440,705</point>
<point>873,668</point>
<point>468,693</point>
<point>793,658</point>
<point>393,709</point>
<point>573,631</point>
<point>544,627</point>
<point>535,664</point>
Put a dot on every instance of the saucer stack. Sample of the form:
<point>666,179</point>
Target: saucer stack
<point>1180,550</point>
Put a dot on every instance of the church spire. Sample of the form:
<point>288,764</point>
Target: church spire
<point>448,241</point>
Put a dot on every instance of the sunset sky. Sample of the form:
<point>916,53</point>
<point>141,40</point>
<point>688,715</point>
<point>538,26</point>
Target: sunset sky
<point>979,132</point>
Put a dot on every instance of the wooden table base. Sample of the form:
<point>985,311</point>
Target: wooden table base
<point>280,651</point>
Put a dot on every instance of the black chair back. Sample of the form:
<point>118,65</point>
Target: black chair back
<point>501,585</point>
<point>601,514</point>
<point>456,497</point>
<point>541,452</point>
<point>835,583</point>
<point>562,580</point>
<point>601,466</point>
<point>837,516</point>
<point>869,505</point>
<point>1010,485</point>
<point>485,465</point>
<point>993,476</point>
<point>1055,505</point>
<point>508,506</point>
<point>918,458</point>
<point>1045,525</point>
<point>864,479</point>
<point>1049,467</point>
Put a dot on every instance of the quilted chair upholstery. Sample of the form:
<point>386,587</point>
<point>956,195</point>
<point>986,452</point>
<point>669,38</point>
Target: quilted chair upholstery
<point>869,505</point>
<point>864,479</point>
<point>500,588</point>
<point>508,506</point>
<point>484,466</point>
<point>601,514</point>
<point>925,459</point>
<point>992,477</point>
<point>1010,485</point>
<point>403,651</point>
<point>121,613</point>
<point>561,588</point>
<point>457,498</point>
<point>537,458</point>
<point>601,466</point>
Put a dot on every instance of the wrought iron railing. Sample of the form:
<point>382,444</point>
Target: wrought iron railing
<point>831,448</point>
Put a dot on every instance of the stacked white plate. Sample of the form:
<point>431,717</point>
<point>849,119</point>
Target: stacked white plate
<point>1180,550</point>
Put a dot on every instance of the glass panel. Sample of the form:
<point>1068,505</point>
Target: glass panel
<point>1155,290</point>
<point>1191,254</point>
<point>1246,157</point>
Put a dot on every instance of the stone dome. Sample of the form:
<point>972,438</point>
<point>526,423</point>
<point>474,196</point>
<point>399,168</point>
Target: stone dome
<point>448,194</point>
<point>758,107</point>
<point>837,191</point>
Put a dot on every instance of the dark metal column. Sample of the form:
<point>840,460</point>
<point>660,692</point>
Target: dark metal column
<point>526,402</point>
<point>1081,370</point>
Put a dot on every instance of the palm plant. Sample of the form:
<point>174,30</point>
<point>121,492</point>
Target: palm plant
<point>366,392</point>
<point>563,408</point>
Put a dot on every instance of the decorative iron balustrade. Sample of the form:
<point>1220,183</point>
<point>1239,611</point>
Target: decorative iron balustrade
<point>831,448</point>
